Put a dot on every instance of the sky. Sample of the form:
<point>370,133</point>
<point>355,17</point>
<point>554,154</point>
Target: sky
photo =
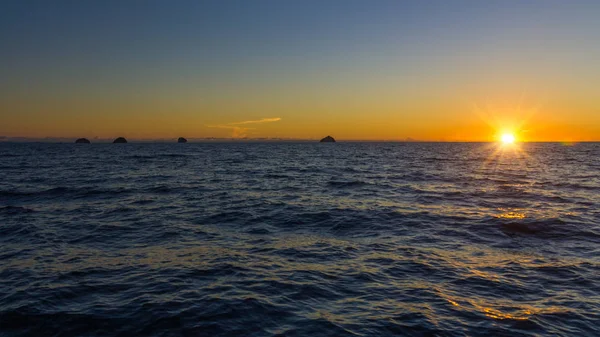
<point>356,70</point>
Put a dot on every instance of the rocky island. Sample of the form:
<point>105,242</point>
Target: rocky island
<point>328,139</point>
<point>181,140</point>
<point>82,141</point>
<point>120,140</point>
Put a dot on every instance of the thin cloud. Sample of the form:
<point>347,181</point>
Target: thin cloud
<point>264,120</point>
<point>240,132</point>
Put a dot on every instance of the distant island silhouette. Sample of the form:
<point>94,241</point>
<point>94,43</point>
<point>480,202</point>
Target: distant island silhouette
<point>120,140</point>
<point>181,140</point>
<point>82,141</point>
<point>327,139</point>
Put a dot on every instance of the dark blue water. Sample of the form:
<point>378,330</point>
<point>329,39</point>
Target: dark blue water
<point>299,239</point>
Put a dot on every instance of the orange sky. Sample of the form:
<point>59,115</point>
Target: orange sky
<point>439,116</point>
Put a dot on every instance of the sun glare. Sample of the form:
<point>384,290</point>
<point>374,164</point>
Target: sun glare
<point>507,138</point>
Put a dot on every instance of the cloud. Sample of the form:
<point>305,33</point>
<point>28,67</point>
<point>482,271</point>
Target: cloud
<point>241,132</point>
<point>264,120</point>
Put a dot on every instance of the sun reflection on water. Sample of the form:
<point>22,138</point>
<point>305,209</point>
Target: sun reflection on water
<point>499,310</point>
<point>510,214</point>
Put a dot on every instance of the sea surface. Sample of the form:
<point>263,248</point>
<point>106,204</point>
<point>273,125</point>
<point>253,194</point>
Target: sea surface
<point>300,239</point>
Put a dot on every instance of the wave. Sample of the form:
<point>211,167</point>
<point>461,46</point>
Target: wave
<point>547,228</point>
<point>277,176</point>
<point>347,183</point>
<point>88,192</point>
<point>14,210</point>
<point>568,186</point>
<point>64,191</point>
<point>159,156</point>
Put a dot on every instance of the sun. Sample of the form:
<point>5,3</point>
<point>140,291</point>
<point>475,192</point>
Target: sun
<point>508,138</point>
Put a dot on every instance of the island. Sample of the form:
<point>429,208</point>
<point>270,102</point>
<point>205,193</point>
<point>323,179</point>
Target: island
<point>328,139</point>
<point>181,140</point>
<point>120,140</point>
<point>82,141</point>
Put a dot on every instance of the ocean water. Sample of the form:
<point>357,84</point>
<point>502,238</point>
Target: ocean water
<point>299,239</point>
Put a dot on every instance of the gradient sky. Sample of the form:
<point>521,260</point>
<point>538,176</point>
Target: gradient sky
<point>428,70</point>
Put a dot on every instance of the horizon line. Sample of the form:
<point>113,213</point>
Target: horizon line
<point>5,139</point>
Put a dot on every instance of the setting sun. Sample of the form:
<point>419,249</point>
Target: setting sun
<point>508,138</point>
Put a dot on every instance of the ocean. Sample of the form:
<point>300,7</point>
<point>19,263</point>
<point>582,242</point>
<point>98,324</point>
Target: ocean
<point>299,239</point>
